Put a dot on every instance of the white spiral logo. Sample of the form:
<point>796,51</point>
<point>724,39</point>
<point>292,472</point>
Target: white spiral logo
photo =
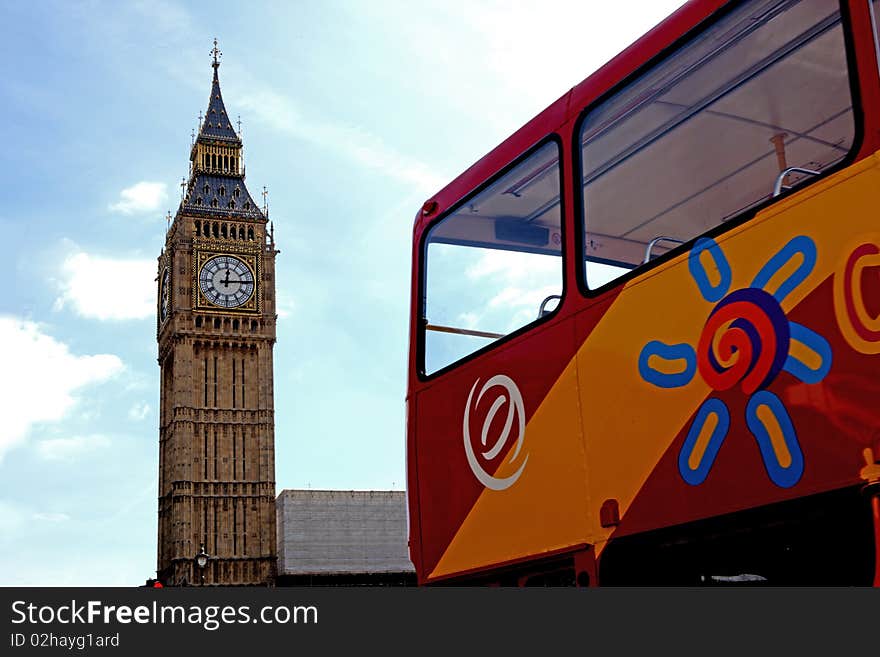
<point>515,407</point>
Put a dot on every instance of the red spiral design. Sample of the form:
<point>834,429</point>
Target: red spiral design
<point>754,338</point>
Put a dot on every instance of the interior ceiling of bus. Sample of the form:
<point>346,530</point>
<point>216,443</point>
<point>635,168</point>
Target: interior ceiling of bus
<point>690,144</point>
<point>707,152</point>
<point>519,211</point>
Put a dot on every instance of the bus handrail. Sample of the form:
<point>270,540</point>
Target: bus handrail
<point>654,242</point>
<point>543,309</point>
<point>461,331</point>
<point>777,187</point>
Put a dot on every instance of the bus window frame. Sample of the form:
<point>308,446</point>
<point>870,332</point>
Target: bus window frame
<point>580,214</point>
<point>875,28</point>
<point>554,138</point>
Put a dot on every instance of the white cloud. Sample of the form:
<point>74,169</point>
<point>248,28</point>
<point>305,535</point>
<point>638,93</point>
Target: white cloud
<point>108,288</point>
<point>138,411</point>
<point>349,140</point>
<point>42,378</point>
<point>144,196</point>
<point>513,266</point>
<point>591,34</point>
<point>68,449</point>
<point>468,320</point>
<point>52,517</point>
<point>284,305</point>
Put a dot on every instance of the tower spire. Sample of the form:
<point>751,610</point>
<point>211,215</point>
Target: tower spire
<point>216,55</point>
<point>217,124</point>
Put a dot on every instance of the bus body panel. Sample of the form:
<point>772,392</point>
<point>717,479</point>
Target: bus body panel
<point>598,430</point>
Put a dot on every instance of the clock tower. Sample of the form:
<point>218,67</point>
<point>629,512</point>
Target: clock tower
<point>216,331</point>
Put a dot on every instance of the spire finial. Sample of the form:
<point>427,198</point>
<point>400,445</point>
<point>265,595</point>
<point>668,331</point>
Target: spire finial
<point>168,221</point>
<point>182,188</point>
<point>265,201</point>
<point>216,54</point>
<point>239,125</point>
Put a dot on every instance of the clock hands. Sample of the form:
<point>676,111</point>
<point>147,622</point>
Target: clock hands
<point>226,282</point>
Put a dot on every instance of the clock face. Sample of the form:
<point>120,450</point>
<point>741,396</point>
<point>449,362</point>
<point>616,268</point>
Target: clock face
<point>164,295</point>
<point>226,281</point>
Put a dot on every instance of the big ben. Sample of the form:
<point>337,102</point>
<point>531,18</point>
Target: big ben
<point>216,332</point>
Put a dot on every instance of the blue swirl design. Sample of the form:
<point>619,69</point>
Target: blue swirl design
<point>700,275</point>
<point>782,476</point>
<point>668,352</point>
<point>800,244</point>
<point>815,343</point>
<point>711,406</point>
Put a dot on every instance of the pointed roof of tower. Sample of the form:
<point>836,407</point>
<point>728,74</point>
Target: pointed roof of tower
<point>217,124</point>
<point>218,190</point>
<point>220,195</point>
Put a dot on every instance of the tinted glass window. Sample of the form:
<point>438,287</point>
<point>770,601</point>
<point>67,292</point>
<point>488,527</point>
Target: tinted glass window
<point>494,264</point>
<point>704,135</point>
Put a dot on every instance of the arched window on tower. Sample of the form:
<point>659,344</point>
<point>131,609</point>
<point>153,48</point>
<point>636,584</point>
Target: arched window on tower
<point>214,227</point>
<point>222,190</point>
<point>223,230</point>
<point>214,203</point>
<point>234,324</point>
<point>198,229</point>
<point>198,322</point>
<point>206,189</point>
<point>226,162</point>
<point>241,232</point>
<point>213,160</point>
<point>231,204</point>
<point>251,234</point>
<point>236,193</point>
<point>198,200</point>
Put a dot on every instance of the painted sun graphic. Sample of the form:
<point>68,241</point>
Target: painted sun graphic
<point>746,341</point>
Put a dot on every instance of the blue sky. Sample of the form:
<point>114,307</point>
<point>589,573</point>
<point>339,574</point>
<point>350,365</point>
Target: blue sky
<point>353,113</point>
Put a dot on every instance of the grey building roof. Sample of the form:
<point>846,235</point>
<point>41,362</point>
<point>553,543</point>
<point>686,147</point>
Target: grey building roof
<point>342,532</point>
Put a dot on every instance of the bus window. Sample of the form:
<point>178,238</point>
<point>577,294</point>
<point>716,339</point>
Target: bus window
<point>705,134</point>
<point>494,265</point>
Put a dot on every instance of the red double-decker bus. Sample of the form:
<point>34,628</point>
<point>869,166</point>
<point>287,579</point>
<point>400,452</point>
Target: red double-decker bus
<point>645,329</point>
